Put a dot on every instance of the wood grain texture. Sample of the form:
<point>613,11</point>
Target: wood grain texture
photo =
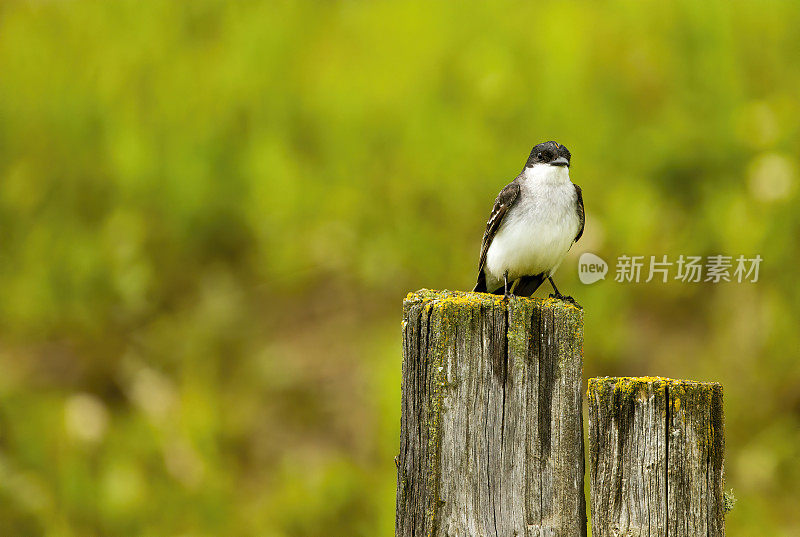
<point>656,457</point>
<point>491,432</point>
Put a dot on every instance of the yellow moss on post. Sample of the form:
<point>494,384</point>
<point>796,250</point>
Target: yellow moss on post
<point>464,298</point>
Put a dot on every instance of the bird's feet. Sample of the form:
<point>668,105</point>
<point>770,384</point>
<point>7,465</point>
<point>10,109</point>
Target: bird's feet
<point>565,298</point>
<point>507,290</point>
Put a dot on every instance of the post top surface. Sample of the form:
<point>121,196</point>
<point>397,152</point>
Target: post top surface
<point>467,298</point>
<point>632,385</point>
<point>648,380</point>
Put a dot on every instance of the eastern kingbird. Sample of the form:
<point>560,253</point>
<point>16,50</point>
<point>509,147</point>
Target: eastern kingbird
<point>535,221</point>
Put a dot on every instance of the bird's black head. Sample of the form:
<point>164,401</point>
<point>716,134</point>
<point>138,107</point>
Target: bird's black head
<point>551,153</point>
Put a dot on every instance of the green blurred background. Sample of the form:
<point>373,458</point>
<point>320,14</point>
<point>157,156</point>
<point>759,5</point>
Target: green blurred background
<point>211,211</point>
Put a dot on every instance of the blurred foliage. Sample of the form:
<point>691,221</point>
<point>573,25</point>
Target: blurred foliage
<point>210,212</point>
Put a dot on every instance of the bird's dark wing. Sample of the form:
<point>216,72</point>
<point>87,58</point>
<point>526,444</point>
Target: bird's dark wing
<point>581,213</point>
<point>502,204</point>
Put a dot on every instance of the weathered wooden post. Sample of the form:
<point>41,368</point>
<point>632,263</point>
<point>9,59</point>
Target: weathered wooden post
<point>491,433</point>
<point>656,457</point>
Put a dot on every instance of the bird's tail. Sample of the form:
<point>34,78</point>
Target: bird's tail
<point>528,284</point>
<point>525,287</point>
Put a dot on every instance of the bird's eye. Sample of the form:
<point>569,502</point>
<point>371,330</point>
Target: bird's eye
<point>540,156</point>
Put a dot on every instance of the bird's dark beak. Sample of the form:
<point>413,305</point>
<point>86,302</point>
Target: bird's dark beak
<point>560,161</point>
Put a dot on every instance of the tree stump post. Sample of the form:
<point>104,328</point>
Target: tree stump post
<point>656,457</point>
<point>491,432</point>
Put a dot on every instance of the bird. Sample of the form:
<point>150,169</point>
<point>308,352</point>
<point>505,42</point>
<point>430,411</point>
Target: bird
<point>535,220</point>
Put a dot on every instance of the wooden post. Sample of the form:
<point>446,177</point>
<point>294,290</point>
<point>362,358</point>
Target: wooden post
<point>491,434</point>
<point>656,457</point>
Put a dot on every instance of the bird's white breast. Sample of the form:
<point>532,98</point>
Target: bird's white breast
<point>538,230</point>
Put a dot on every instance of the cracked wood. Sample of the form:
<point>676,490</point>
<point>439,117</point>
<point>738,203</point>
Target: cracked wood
<point>491,430</point>
<point>656,457</point>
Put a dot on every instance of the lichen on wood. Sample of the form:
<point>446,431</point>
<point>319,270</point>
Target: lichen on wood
<point>491,431</point>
